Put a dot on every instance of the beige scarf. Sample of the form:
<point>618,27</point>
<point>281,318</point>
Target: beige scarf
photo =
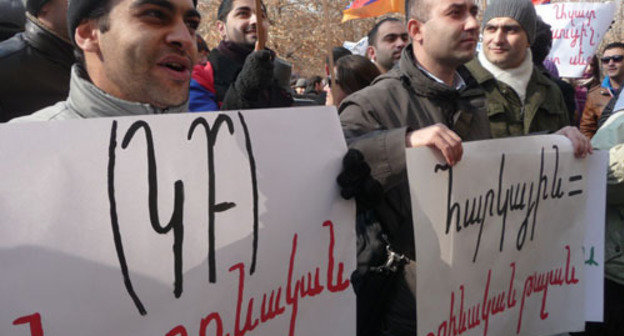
<point>517,78</point>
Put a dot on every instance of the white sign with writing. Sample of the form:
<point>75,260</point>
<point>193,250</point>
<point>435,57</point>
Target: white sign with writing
<point>192,224</point>
<point>577,30</point>
<point>499,237</point>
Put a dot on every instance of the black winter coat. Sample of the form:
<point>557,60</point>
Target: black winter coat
<point>245,81</point>
<point>35,68</point>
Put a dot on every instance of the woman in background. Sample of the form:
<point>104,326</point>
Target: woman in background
<point>353,73</point>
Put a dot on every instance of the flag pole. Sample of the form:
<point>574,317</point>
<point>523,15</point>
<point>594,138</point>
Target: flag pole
<point>261,41</point>
<point>328,47</point>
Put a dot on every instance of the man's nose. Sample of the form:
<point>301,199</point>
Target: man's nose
<point>498,36</point>
<point>180,35</point>
<point>472,23</point>
<point>400,43</point>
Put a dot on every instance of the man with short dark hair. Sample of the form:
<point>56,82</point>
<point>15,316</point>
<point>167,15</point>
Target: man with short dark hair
<point>136,58</point>
<point>431,100</point>
<point>599,96</point>
<point>243,78</point>
<point>521,101</point>
<point>386,40</point>
<point>35,65</point>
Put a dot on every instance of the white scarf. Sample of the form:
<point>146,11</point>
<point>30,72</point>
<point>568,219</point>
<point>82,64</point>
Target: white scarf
<point>518,78</point>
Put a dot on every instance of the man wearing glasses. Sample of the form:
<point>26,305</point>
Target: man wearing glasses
<point>599,96</point>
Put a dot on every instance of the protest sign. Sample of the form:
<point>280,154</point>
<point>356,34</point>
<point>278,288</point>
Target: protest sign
<point>577,30</point>
<point>174,225</point>
<point>357,48</point>
<point>593,247</point>
<point>499,237</point>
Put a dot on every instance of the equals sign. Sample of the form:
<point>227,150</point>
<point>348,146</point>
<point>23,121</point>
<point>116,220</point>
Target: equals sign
<point>574,179</point>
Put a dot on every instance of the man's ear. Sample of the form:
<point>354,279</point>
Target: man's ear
<point>221,29</point>
<point>370,53</point>
<point>87,36</point>
<point>414,29</point>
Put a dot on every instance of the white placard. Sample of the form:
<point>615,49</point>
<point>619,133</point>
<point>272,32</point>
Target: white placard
<point>578,29</point>
<point>357,48</point>
<point>189,224</point>
<point>493,229</point>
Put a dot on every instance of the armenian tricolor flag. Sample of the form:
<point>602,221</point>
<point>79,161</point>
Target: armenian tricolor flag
<point>359,9</point>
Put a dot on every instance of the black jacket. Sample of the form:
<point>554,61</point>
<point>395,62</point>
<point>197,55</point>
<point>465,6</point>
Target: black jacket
<point>34,71</point>
<point>244,79</point>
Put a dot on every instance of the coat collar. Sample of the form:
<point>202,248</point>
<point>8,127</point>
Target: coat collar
<point>88,101</point>
<point>416,78</point>
<point>47,42</point>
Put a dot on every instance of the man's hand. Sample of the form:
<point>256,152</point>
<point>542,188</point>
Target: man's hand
<point>440,137</point>
<point>580,142</point>
<point>257,72</point>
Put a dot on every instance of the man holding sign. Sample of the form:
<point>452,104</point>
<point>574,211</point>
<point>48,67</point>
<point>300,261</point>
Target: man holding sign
<point>135,58</point>
<point>430,99</point>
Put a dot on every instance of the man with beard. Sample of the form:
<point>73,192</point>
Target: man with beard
<point>134,57</point>
<point>386,40</point>
<point>238,76</point>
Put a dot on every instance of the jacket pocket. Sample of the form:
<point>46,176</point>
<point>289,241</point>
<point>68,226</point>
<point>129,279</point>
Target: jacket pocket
<point>502,122</point>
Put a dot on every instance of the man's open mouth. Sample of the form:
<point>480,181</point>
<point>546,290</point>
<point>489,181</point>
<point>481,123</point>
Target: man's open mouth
<point>176,66</point>
<point>176,63</point>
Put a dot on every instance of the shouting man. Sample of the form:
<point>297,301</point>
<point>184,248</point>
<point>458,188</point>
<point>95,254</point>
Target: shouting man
<point>135,57</point>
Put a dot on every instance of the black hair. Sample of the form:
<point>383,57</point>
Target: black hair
<point>613,45</point>
<point>99,13</point>
<point>337,53</point>
<point>311,84</point>
<point>225,7</point>
<point>540,48</point>
<point>201,43</point>
<point>355,72</point>
<point>372,34</point>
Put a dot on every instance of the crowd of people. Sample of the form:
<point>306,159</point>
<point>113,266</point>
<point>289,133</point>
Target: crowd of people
<point>421,83</point>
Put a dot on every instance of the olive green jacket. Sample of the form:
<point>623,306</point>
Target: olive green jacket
<point>611,137</point>
<point>544,109</point>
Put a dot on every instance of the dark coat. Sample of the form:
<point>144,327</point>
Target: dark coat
<point>543,111</point>
<point>375,121</point>
<point>244,79</point>
<point>35,68</point>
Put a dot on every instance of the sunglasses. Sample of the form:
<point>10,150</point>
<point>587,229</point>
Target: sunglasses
<point>615,58</point>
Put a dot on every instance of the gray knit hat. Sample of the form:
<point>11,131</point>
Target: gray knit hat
<point>522,11</point>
